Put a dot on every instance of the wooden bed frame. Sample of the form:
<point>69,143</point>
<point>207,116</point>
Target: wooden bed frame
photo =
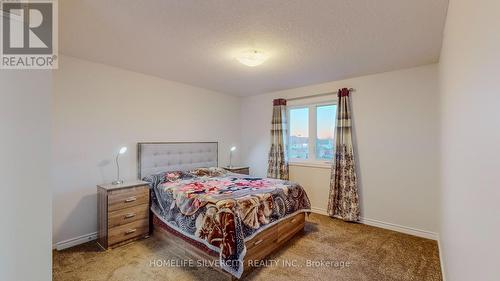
<point>259,247</point>
<point>161,156</point>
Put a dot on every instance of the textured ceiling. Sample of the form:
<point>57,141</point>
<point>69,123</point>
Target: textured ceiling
<point>309,41</point>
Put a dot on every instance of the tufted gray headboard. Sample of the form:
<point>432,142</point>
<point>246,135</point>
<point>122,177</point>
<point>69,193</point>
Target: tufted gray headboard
<point>156,157</point>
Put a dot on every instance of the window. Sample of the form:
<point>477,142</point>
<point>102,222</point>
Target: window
<point>311,132</point>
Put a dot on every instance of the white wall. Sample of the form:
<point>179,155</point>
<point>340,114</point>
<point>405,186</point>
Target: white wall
<point>470,111</point>
<point>396,126</point>
<point>25,202</point>
<point>98,108</point>
<point>316,181</point>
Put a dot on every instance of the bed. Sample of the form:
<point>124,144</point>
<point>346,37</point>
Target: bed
<point>224,219</point>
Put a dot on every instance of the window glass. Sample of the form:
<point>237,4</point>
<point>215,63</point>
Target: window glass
<point>325,130</point>
<point>298,141</point>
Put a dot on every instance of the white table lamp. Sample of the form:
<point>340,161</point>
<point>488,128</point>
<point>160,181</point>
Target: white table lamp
<point>231,156</point>
<point>118,180</point>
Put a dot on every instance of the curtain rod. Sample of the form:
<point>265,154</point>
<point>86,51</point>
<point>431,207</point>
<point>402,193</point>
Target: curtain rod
<point>318,95</point>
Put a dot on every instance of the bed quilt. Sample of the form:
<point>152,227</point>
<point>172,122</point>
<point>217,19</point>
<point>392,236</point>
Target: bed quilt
<point>222,210</point>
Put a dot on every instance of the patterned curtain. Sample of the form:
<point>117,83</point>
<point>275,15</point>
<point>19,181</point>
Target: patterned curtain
<point>278,159</point>
<point>343,202</point>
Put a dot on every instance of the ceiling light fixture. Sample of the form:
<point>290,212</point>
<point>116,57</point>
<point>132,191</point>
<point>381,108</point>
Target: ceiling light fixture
<point>252,57</point>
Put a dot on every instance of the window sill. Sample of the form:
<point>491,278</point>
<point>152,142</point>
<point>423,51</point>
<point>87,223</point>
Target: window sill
<point>312,164</point>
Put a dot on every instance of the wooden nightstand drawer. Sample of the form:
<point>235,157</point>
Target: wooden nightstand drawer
<point>238,170</point>
<point>129,197</point>
<point>128,231</point>
<point>123,213</point>
<point>128,215</point>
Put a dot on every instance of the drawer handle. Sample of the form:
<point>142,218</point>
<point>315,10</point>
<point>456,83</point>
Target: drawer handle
<point>130,215</point>
<point>258,242</point>
<point>130,231</point>
<point>293,220</point>
<point>130,199</point>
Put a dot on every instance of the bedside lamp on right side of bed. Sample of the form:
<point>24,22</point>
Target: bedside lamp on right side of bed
<point>231,156</point>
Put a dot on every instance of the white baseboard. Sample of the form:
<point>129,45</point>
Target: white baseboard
<point>401,228</point>
<point>441,259</point>
<point>388,225</point>
<point>75,241</point>
<point>319,211</point>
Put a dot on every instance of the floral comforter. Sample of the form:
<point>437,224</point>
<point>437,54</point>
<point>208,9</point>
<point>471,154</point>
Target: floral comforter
<point>222,210</point>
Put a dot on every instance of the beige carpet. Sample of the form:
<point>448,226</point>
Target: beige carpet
<point>354,252</point>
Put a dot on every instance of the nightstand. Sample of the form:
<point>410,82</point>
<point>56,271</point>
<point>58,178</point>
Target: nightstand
<point>123,213</point>
<point>238,170</point>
